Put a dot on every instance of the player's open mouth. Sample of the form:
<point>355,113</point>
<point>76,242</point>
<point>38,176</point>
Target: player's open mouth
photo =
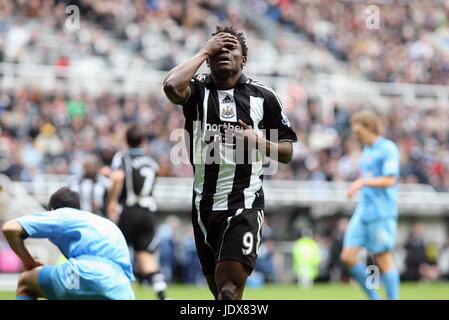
<point>223,59</point>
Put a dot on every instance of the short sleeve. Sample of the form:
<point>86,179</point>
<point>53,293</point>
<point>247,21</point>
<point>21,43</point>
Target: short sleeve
<point>42,225</point>
<point>189,106</point>
<point>276,118</point>
<point>105,182</point>
<point>153,164</point>
<point>117,162</point>
<point>390,165</point>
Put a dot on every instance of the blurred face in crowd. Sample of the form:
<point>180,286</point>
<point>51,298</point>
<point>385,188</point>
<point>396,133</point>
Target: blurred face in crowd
<point>90,168</point>
<point>228,62</point>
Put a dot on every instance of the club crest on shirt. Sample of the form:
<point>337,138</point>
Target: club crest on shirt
<point>228,111</point>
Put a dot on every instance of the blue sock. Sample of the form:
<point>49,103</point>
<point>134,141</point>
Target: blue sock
<point>358,273</point>
<point>24,298</point>
<point>391,281</point>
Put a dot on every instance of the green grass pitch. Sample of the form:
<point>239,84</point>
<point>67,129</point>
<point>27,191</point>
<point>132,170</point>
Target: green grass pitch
<point>409,291</point>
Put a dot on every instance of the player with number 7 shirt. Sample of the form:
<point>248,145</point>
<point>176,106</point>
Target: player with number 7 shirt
<point>131,205</point>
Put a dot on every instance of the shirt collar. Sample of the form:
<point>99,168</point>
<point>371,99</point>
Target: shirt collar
<point>242,80</point>
<point>136,151</point>
<point>376,142</point>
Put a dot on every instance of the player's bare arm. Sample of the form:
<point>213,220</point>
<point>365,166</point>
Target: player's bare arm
<point>176,83</point>
<point>378,182</point>
<point>15,234</point>
<point>281,151</point>
<point>117,177</point>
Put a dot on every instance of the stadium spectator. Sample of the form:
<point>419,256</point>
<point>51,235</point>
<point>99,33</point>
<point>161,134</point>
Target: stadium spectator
<point>415,260</point>
<point>443,261</point>
<point>337,270</point>
<point>168,241</point>
<point>306,259</point>
<point>189,263</point>
<point>265,261</point>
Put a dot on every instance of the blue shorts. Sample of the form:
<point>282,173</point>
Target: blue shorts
<point>78,279</point>
<point>377,236</point>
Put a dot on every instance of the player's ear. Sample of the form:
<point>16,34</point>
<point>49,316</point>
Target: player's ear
<point>243,62</point>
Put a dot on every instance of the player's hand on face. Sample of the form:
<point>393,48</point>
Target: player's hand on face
<point>354,188</point>
<point>215,44</point>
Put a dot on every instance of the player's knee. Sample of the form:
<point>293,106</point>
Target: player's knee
<point>229,291</point>
<point>23,284</point>
<point>348,258</point>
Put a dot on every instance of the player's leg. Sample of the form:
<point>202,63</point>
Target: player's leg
<point>230,277</point>
<point>149,270</point>
<point>205,254</point>
<point>28,287</point>
<point>353,242</point>
<point>237,253</point>
<point>146,247</point>
<point>383,242</point>
<point>390,275</point>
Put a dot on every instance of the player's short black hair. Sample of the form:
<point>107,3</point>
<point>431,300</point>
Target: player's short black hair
<point>240,37</point>
<point>135,135</point>
<point>64,198</point>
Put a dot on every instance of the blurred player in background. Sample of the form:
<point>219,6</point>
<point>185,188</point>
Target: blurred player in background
<point>93,186</point>
<point>374,223</point>
<point>228,202</point>
<point>134,173</point>
<point>98,265</point>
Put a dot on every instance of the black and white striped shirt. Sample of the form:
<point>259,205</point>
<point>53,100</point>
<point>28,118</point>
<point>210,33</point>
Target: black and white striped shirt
<point>92,193</point>
<point>222,182</point>
<point>140,173</point>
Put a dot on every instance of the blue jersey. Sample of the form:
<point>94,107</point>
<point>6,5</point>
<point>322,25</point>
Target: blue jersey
<point>80,235</point>
<point>380,159</point>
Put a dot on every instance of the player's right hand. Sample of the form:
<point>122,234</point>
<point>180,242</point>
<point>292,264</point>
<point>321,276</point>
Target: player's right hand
<point>222,40</point>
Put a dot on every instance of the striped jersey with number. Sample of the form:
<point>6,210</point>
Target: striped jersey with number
<point>140,173</point>
<point>226,177</point>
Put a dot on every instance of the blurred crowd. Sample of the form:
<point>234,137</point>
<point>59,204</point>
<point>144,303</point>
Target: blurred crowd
<point>152,34</point>
<point>51,133</point>
<point>389,41</point>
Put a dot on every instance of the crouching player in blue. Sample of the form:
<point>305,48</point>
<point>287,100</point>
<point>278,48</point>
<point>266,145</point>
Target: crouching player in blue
<point>98,265</point>
<point>374,223</point>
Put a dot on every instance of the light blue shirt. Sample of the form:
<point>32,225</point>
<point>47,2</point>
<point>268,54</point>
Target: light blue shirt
<point>380,159</point>
<point>80,234</point>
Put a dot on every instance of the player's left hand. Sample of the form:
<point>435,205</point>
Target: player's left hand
<point>32,264</point>
<point>354,188</point>
<point>247,134</point>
